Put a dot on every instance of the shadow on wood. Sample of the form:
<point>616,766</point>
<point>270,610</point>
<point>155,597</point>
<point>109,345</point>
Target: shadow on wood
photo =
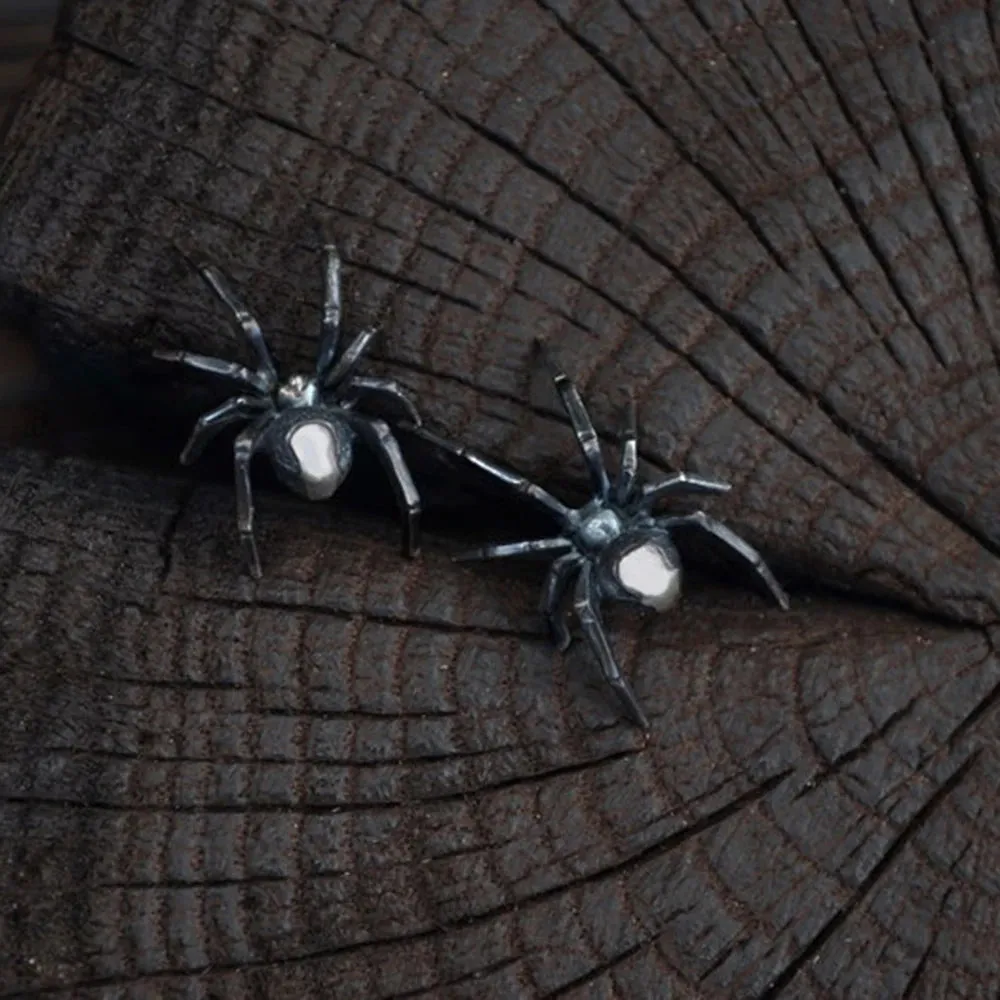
<point>26,28</point>
<point>371,778</point>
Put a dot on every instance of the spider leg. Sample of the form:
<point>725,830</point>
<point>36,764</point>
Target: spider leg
<point>587,611</point>
<point>737,544</point>
<point>583,428</point>
<point>681,482</point>
<point>556,583</point>
<point>380,439</point>
<point>244,447</point>
<point>387,387</point>
<point>209,424</point>
<point>630,453</point>
<point>245,320</point>
<point>509,549</point>
<point>517,482</point>
<point>216,366</point>
<point>350,357</point>
<point>330,326</point>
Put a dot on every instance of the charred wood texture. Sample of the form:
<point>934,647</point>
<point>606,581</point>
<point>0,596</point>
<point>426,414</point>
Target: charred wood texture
<point>363,777</point>
<point>25,33</point>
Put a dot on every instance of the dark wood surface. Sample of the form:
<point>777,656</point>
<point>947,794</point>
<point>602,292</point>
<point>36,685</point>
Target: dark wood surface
<point>370,778</point>
<point>25,32</point>
<point>26,28</point>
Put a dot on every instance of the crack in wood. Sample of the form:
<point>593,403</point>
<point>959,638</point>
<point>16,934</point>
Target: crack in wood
<point>188,799</point>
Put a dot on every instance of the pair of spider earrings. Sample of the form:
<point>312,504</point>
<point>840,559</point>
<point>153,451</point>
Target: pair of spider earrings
<point>614,546</point>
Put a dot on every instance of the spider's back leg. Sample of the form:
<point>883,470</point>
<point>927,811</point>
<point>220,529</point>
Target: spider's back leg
<point>741,547</point>
<point>377,435</point>
<point>247,442</point>
<point>589,615</point>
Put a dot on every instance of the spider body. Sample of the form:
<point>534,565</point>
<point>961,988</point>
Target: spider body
<point>311,450</point>
<point>308,424</point>
<point>643,567</point>
<point>634,560</point>
<point>614,547</point>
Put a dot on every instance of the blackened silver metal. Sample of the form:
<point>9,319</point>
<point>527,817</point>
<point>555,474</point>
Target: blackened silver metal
<point>307,424</point>
<point>614,545</point>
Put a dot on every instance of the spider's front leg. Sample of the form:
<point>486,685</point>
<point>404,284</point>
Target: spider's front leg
<point>532,547</point>
<point>244,319</point>
<point>345,365</point>
<point>585,603</point>
<point>217,366</point>
<point>729,537</point>
<point>579,418</point>
<point>629,467</point>
<point>232,411</point>
<point>330,326</point>
<point>514,480</point>
<point>388,389</point>
<point>680,482</point>
<point>247,442</point>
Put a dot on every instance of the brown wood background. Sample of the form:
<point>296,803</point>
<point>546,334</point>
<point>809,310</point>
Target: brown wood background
<point>369,778</point>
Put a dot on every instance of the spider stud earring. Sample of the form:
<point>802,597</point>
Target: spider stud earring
<point>614,546</point>
<point>306,424</point>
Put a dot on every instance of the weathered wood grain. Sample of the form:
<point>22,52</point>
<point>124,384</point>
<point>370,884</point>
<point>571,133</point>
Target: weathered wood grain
<point>365,777</point>
<point>25,33</point>
<point>375,780</point>
<point>768,268</point>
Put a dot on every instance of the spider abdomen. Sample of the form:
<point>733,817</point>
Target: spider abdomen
<point>312,451</point>
<point>645,568</point>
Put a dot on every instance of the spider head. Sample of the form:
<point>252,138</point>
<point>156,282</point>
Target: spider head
<point>313,457</point>
<point>298,390</point>
<point>643,567</point>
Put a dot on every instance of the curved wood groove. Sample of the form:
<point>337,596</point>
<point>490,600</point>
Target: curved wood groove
<point>370,778</point>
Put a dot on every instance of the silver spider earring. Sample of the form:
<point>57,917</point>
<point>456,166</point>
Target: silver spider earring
<point>307,424</point>
<point>614,545</point>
